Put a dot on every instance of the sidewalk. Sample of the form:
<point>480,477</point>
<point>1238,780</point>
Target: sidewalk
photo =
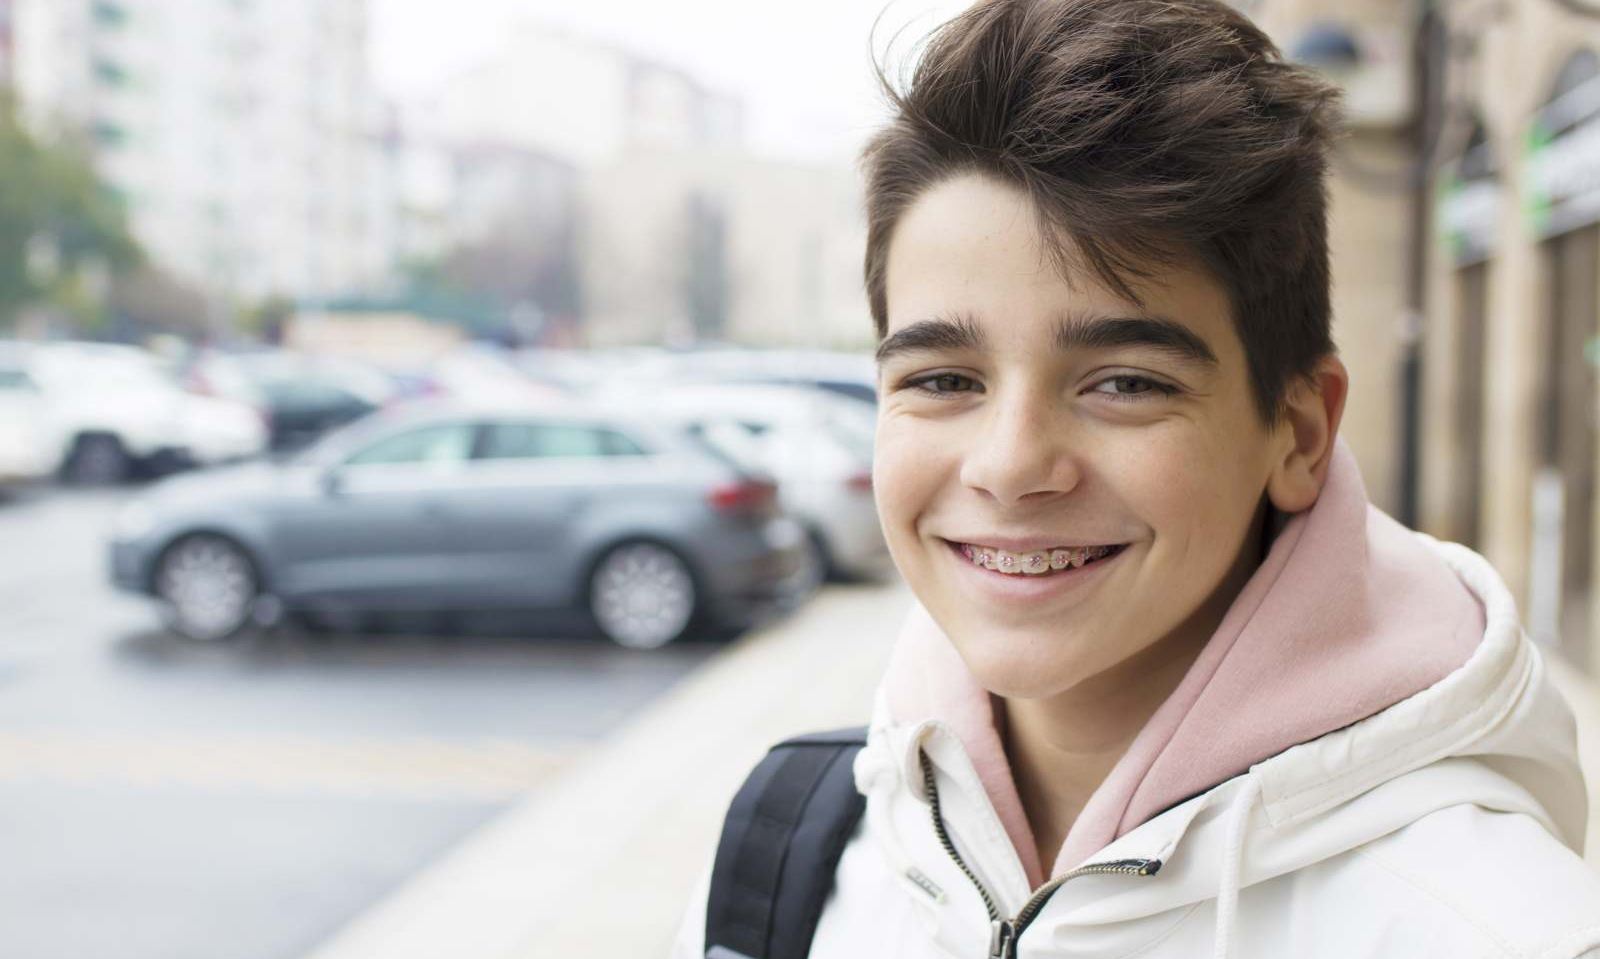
<point>602,863</point>
<point>1584,695</point>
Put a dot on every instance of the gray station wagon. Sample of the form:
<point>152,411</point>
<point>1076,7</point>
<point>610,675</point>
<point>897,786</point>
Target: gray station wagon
<point>444,506</point>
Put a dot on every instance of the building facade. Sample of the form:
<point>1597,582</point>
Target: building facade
<point>693,245</point>
<point>678,233</point>
<point>243,137</point>
<point>1514,293</point>
<point>580,100</point>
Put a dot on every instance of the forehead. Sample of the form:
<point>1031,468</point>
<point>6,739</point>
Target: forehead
<point>970,246</point>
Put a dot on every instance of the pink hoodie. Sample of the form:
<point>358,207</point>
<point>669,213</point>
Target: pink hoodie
<point>1348,614</point>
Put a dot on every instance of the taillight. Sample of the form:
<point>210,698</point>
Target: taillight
<point>860,482</point>
<point>744,496</point>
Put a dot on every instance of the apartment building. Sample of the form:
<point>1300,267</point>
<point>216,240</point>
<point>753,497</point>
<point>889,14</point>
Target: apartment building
<point>243,136</point>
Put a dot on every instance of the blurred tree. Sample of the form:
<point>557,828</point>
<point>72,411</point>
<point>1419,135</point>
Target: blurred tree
<point>63,233</point>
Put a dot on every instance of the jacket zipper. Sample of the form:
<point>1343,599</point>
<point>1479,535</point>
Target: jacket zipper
<point>1003,933</point>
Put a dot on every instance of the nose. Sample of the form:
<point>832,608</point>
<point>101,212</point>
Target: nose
<point>1022,448</point>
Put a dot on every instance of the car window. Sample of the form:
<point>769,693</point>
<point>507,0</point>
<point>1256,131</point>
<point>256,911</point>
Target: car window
<point>310,394</point>
<point>620,444</point>
<point>510,441</point>
<point>729,442</point>
<point>436,444</point>
<point>16,380</point>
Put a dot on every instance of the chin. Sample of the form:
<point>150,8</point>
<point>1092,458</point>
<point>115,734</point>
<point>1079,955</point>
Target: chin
<point>1023,664</point>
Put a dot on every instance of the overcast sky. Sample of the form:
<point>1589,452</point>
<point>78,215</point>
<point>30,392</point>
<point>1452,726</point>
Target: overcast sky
<point>802,68</point>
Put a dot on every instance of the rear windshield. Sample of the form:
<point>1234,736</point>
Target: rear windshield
<point>728,443</point>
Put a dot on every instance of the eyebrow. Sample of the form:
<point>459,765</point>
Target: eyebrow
<point>1073,332</point>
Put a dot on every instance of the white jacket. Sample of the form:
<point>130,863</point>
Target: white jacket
<point>1446,825</point>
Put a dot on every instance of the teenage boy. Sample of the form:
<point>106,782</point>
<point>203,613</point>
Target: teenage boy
<point>1172,686</point>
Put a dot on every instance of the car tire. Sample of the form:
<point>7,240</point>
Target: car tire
<point>642,595</point>
<point>97,459</point>
<point>208,586</point>
<point>815,567</point>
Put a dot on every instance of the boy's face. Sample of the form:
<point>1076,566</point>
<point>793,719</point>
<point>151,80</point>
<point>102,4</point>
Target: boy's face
<point>1019,411</point>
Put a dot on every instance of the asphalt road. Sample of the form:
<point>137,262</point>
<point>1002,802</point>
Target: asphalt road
<point>161,800</point>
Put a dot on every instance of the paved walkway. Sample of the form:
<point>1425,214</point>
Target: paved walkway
<point>601,863</point>
<point>1584,695</point>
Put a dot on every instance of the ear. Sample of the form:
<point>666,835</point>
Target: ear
<point>1303,437</point>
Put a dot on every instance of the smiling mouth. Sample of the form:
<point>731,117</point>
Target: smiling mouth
<point>1035,563</point>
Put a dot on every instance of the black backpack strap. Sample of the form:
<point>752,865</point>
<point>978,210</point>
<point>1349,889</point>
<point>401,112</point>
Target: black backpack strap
<point>781,843</point>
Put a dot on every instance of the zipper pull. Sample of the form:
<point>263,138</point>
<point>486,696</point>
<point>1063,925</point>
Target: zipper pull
<point>1002,937</point>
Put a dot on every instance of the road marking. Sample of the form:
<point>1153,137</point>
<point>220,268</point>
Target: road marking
<point>412,768</point>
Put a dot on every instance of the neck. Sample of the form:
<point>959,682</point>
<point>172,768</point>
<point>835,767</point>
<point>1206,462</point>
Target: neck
<point>1062,747</point>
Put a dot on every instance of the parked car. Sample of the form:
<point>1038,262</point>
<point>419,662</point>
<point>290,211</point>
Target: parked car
<point>448,506</point>
<point>851,375</point>
<point>817,445</point>
<point>478,372</point>
<point>122,414</point>
<point>300,397</point>
<point>31,444</point>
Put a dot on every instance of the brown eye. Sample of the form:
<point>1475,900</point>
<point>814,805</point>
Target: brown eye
<point>942,384</point>
<point>1130,388</point>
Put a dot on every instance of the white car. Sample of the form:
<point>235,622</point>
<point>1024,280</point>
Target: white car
<point>31,447</point>
<point>816,444</point>
<point>852,375</point>
<point>120,410</point>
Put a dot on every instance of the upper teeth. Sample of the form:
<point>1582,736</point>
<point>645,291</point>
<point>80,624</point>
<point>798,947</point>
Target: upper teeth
<point>1035,562</point>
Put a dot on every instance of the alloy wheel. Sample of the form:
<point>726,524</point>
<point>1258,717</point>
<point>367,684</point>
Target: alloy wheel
<point>642,595</point>
<point>209,587</point>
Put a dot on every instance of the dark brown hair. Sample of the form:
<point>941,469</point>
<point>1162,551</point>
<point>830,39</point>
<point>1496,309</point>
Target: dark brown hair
<point>1146,133</point>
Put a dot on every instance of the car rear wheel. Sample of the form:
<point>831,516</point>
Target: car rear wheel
<point>814,566</point>
<point>642,595</point>
<point>97,459</point>
<point>209,587</point>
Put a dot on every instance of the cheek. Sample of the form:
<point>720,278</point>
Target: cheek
<point>1190,493</point>
<point>904,474</point>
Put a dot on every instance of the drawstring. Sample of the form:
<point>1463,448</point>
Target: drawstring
<point>1232,860</point>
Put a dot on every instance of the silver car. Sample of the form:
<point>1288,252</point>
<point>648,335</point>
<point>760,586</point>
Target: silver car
<point>819,447</point>
<point>443,506</point>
